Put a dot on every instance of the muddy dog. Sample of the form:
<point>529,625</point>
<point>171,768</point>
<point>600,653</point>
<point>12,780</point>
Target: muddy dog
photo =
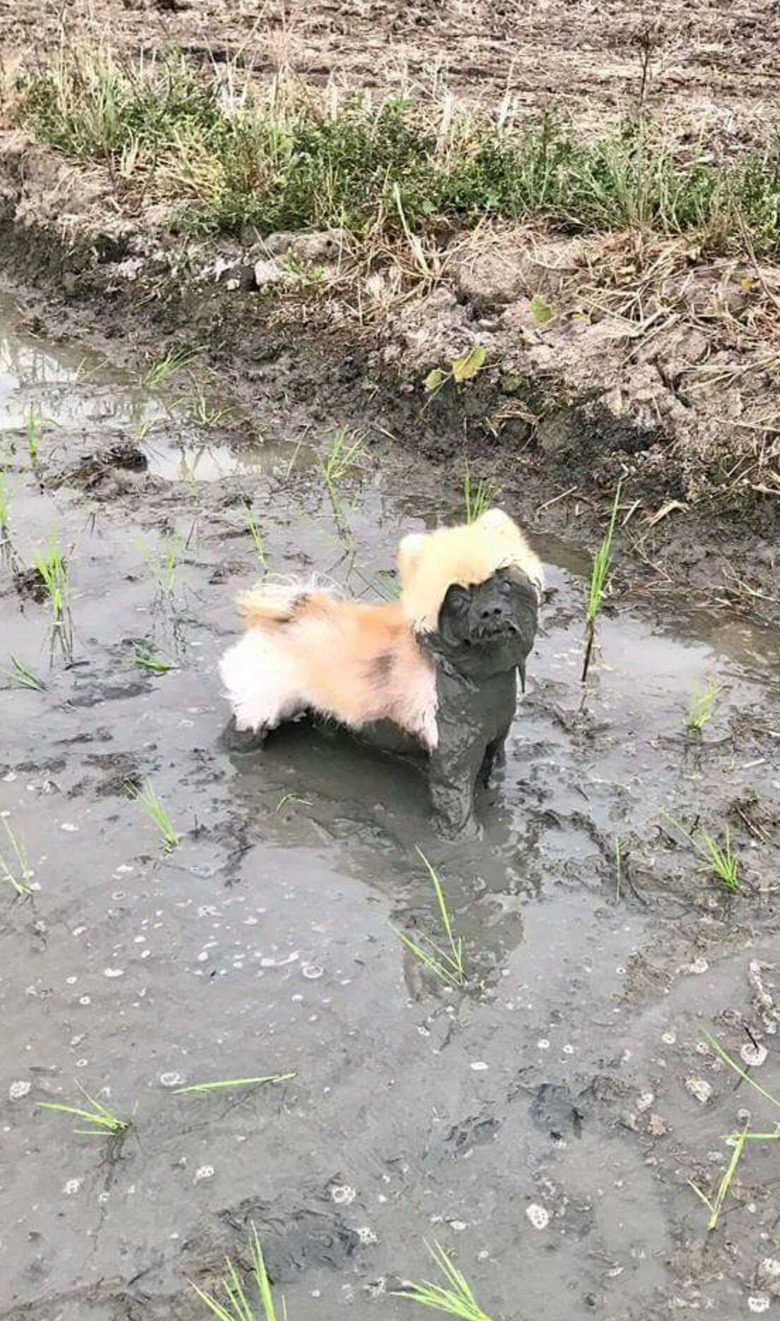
<point>439,665</point>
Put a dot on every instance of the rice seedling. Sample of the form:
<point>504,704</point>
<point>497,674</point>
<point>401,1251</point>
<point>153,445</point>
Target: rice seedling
<point>292,798</point>
<point>201,411</point>
<point>235,1304</point>
<point>158,372</point>
<point>16,872</point>
<point>720,858</point>
<point>101,1121</point>
<point>254,532</point>
<point>341,458</point>
<point>454,1296</point>
<point>700,710</point>
<point>32,431</point>
<point>599,581</point>
<point>445,963</point>
<point>5,507</point>
<point>161,562</point>
<point>149,660</point>
<point>716,1207</point>
<point>20,676</point>
<point>158,815</point>
<point>722,1054</point>
<point>50,563</point>
<point>229,1084</point>
<point>477,499</point>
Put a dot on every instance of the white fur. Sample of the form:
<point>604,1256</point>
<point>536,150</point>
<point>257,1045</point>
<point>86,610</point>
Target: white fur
<point>262,685</point>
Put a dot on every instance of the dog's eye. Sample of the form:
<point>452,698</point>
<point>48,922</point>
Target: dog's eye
<point>505,587</point>
<point>458,598</point>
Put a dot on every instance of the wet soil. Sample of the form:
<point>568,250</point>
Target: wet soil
<point>544,1123</point>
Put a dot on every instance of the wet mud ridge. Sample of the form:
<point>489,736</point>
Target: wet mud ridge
<point>174,913</point>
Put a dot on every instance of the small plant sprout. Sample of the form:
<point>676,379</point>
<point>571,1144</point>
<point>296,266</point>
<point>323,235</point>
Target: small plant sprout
<point>444,963</point>
<point>174,360</point>
<point>716,1207</point>
<point>453,1296</point>
<point>149,660</point>
<point>477,498</point>
<point>235,1305</point>
<point>461,369</point>
<point>701,707</point>
<point>158,815</point>
<point>229,1084</point>
<point>162,562</point>
<point>101,1121</point>
<point>14,864</point>
<point>254,532</point>
<point>720,858</point>
<point>341,458</point>
<point>18,675</point>
<point>722,1054</point>
<point>50,563</point>
<point>599,582</point>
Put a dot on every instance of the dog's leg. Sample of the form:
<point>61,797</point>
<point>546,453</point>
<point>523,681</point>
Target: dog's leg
<point>260,683</point>
<point>453,775</point>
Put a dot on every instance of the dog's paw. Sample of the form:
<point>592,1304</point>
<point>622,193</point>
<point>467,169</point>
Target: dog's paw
<point>234,739</point>
<point>458,830</point>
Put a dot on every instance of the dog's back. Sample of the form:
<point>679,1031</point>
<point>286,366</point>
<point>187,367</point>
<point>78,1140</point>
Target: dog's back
<point>306,650</point>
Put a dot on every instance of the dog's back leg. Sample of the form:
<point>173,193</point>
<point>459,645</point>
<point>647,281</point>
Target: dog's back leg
<point>261,683</point>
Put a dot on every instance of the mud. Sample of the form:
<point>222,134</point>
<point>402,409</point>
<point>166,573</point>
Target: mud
<point>569,1076</point>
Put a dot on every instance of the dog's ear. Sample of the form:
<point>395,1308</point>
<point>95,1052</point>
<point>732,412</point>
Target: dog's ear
<point>495,520</point>
<point>409,553</point>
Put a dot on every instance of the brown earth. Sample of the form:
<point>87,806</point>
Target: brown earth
<point>657,367</point>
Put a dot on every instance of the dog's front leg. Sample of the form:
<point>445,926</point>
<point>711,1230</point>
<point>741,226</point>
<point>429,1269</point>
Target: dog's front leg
<point>453,774</point>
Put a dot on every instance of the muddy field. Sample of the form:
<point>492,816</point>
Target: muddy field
<point>713,64</point>
<point>543,1125</point>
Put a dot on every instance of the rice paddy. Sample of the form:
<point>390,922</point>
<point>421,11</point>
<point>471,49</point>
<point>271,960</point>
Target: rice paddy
<point>453,1295</point>
<point>100,1121</point>
<point>154,809</point>
<point>599,584</point>
<point>232,1301</point>
<point>444,960</point>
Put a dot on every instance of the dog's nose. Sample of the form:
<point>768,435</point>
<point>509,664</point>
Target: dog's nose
<point>491,612</point>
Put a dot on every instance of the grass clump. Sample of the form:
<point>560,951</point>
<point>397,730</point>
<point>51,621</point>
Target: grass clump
<point>235,1304</point>
<point>158,815</point>
<point>445,962</point>
<point>162,562</point>
<point>50,563</point>
<point>599,581</point>
<point>158,372</point>
<point>253,528</point>
<point>149,660</point>
<point>701,710</point>
<point>341,458</point>
<point>477,499</point>
<point>282,156</point>
<point>19,675</point>
<point>454,1296</point>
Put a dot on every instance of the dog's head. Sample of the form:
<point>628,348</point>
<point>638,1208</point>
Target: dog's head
<point>473,592</point>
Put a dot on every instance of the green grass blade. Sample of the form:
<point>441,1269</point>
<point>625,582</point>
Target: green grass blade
<point>222,1083</point>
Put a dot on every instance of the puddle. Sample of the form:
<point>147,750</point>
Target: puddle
<point>262,945</point>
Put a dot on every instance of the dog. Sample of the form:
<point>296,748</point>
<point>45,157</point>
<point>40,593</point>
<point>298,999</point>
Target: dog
<point>439,665</point>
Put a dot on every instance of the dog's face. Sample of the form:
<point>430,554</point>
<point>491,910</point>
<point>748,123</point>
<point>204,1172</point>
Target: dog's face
<point>473,593</point>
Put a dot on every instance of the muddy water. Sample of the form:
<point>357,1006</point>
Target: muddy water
<point>566,1089</point>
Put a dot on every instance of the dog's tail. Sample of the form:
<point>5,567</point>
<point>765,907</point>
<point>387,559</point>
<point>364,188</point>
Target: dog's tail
<point>270,605</point>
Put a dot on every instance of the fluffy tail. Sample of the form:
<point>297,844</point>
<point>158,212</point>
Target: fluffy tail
<point>270,605</point>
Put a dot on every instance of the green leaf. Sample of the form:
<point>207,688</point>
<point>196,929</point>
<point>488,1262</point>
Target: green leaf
<point>468,364</point>
<point>434,379</point>
<point>540,309</point>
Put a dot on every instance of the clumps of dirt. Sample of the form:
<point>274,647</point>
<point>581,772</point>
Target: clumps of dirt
<point>92,471</point>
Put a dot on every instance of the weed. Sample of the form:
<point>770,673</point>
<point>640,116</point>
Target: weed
<point>725,1183</point>
<point>701,708</point>
<point>158,372</point>
<point>20,676</point>
<point>162,562</point>
<point>599,576</point>
<point>461,369</point>
<point>719,858</point>
<point>254,532</point>
<point>341,458</point>
<point>222,1084</point>
<point>17,873</point>
<point>149,660</point>
<point>446,964</point>
<point>455,1296</point>
<point>282,157</point>
<point>103,1122</point>
<point>236,1305</point>
<point>479,498</point>
<point>157,814</point>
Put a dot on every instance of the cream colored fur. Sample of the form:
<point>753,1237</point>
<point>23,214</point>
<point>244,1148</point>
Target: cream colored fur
<point>431,562</point>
